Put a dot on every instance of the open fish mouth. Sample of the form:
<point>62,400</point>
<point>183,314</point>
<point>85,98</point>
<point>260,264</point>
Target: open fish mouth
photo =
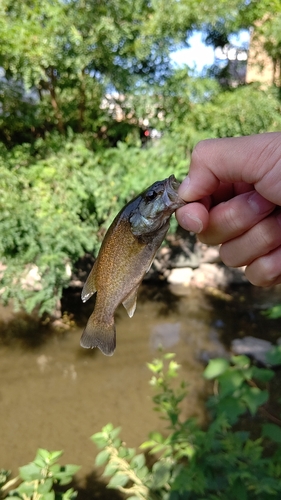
<point>171,196</point>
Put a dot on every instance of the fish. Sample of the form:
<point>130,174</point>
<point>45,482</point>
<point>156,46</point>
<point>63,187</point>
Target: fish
<point>125,256</point>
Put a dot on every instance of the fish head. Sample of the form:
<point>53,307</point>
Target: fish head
<point>154,207</point>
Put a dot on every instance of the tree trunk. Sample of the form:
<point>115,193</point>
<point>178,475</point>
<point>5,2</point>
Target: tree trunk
<point>54,102</point>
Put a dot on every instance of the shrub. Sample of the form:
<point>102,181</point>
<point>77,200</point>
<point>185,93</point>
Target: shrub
<point>57,199</point>
<point>194,463</point>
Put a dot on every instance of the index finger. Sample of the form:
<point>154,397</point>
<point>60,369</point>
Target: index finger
<point>254,160</point>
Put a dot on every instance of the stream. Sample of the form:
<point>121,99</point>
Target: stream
<point>55,394</point>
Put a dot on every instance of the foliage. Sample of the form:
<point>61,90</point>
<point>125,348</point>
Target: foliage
<point>273,312</point>
<point>244,111</point>
<point>64,62</point>
<point>61,58</point>
<point>57,198</point>
<point>193,108</point>
<point>192,463</point>
<point>40,478</point>
<point>236,392</point>
<point>82,76</point>
<point>273,356</point>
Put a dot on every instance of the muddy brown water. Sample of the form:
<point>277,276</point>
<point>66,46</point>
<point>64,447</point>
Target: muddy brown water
<point>55,394</point>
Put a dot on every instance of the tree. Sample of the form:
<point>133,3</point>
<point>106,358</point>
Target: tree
<point>67,54</point>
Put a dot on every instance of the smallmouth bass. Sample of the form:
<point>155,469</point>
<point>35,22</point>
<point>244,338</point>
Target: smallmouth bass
<point>126,254</point>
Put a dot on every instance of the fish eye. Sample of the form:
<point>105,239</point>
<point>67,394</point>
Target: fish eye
<point>151,195</point>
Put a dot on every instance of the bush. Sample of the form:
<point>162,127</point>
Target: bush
<point>193,463</point>
<point>39,479</point>
<point>57,198</point>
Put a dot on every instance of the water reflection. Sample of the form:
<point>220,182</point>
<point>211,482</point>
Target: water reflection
<point>54,394</point>
<point>165,335</point>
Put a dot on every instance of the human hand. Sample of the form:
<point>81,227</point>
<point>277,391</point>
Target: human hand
<point>238,184</point>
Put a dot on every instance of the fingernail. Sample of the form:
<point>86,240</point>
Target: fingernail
<point>192,223</point>
<point>183,189</point>
<point>258,203</point>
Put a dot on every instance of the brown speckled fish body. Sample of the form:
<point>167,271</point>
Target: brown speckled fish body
<point>126,254</point>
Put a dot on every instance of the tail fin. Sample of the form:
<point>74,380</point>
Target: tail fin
<point>102,336</point>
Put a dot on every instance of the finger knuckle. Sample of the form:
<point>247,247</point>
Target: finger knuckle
<point>264,271</point>
<point>233,219</point>
<point>202,150</point>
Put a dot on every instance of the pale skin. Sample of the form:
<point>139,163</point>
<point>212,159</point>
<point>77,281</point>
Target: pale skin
<point>234,194</point>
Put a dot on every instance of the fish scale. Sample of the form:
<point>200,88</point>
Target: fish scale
<point>126,254</point>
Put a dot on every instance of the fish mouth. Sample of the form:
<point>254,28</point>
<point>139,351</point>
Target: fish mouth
<point>171,193</point>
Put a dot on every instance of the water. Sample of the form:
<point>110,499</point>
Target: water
<point>55,394</point>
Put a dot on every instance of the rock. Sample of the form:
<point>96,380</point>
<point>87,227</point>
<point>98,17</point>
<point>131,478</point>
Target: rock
<point>31,279</point>
<point>180,276</point>
<point>253,347</point>
<point>165,335</point>
<point>211,255</point>
<point>207,275</point>
<point>211,275</point>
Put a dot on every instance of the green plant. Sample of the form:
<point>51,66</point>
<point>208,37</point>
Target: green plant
<point>195,463</point>
<point>39,479</point>
<point>57,198</point>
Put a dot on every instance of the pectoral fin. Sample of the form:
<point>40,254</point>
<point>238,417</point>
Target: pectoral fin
<point>150,263</point>
<point>90,287</point>
<point>130,303</point>
<point>102,336</point>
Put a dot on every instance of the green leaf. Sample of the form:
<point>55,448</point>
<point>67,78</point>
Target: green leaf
<point>232,408</point>
<point>30,472</point>
<point>45,454</point>
<point>273,357</point>
<point>241,361</point>
<point>272,431</point>
<point>157,437</point>
<point>169,355</point>
<point>142,473</point>
<point>69,494</point>
<point>254,398</point>
<point>54,455</point>
<point>49,496</point>
<point>161,474</point>
<point>110,469</point>
<point>229,381</point>
<point>173,369</point>
<point>26,488</point>
<point>71,469</point>
<point>147,444</point>
<point>55,469</point>
<point>46,486</point>
<point>156,366</point>
<point>262,374</point>
<point>100,439</point>
<point>64,479</point>
<point>115,432</point>
<point>138,461</point>
<point>157,448</point>
<point>239,490</point>
<point>274,312</point>
<point>215,368</point>
<point>119,479</point>
<point>102,457</point>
